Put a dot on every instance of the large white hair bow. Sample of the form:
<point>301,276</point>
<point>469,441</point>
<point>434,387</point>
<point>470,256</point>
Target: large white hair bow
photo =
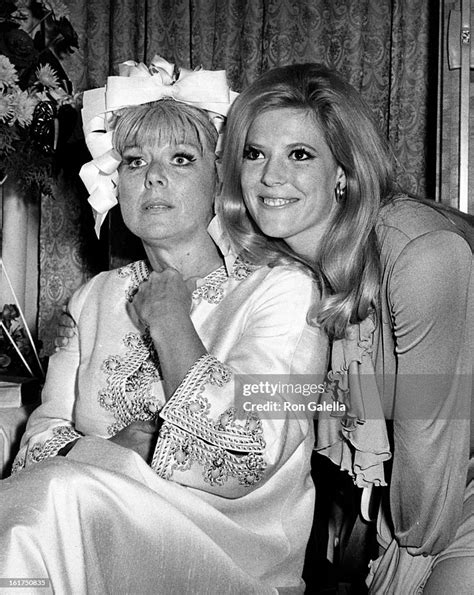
<point>138,84</point>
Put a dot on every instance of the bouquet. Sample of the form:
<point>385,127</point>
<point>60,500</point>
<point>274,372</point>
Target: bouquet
<point>37,106</point>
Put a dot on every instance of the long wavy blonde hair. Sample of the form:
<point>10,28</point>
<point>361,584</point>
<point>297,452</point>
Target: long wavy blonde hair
<point>347,265</point>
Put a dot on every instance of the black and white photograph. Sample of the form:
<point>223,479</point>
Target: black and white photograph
<point>236,297</point>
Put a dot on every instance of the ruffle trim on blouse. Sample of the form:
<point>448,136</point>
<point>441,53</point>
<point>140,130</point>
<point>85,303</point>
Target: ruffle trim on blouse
<point>354,436</point>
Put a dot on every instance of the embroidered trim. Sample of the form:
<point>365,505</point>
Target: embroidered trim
<point>62,435</point>
<point>139,272</point>
<point>180,451</point>
<point>18,464</point>
<point>224,447</point>
<point>212,289</point>
<point>130,377</point>
<point>189,409</point>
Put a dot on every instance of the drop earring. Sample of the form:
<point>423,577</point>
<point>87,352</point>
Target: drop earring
<point>340,193</point>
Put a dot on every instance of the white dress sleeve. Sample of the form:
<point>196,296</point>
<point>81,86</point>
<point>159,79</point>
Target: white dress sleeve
<point>50,427</point>
<point>212,437</point>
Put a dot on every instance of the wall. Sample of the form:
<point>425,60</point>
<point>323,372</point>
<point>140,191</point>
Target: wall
<point>448,122</point>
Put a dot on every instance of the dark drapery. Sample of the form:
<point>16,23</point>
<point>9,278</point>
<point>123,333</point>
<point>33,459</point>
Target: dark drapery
<point>386,48</point>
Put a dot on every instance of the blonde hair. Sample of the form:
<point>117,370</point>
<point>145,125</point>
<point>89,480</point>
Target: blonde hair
<point>163,121</point>
<point>347,266</point>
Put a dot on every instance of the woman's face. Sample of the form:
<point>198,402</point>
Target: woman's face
<point>289,176</point>
<point>166,191</point>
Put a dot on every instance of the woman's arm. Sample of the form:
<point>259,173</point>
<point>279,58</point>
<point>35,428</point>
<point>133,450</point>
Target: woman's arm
<point>211,439</point>
<point>162,304</point>
<point>50,428</point>
<point>428,295</point>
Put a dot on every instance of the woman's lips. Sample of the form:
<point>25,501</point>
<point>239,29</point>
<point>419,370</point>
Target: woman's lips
<point>156,206</point>
<point>277,202</point>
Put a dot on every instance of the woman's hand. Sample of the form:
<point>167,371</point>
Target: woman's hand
<point>65,330</point>
<point>163,305</point>
<point>160,302</point>
<point>139,436</point>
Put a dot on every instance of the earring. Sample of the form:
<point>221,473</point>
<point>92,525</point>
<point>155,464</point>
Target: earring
<point>340,193</point>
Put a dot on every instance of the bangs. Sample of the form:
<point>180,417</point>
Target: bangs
<point>163,122</point>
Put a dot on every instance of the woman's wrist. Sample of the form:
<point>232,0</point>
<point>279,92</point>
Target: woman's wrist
<point>176,325</point>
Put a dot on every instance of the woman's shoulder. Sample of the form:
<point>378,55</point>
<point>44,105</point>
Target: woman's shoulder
<point>291,284</point>
<point>406,219</point>
<point>111,284</point>
<point>294,275</point>
<point>415,238</point>
<point>412,218</point>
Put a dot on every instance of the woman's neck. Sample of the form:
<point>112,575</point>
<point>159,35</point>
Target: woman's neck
<point>193,259</point>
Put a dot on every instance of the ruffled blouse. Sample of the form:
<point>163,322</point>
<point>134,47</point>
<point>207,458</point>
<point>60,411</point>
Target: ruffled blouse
<point>354,436</point>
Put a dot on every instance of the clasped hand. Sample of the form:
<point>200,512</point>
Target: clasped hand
<point>161,302</point>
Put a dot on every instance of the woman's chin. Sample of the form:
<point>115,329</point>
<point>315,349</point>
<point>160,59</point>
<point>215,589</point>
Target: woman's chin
<point>274,230</point>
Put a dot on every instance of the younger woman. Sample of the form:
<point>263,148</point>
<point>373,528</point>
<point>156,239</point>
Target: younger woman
<point>306,167</point>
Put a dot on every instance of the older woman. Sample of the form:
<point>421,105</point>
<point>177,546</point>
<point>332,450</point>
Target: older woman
<point>220,500</point>
<point>305,162</point>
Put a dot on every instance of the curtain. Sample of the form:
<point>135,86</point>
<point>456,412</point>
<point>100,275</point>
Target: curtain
<point>386,48</point>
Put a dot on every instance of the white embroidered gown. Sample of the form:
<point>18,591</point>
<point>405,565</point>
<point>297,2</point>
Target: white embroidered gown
<point>227,504</point>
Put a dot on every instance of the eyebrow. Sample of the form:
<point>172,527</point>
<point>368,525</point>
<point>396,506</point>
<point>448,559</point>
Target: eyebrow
<point>148,146</point>
<point>292,145</point>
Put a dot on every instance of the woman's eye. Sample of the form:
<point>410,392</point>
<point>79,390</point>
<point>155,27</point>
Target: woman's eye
<point>300,155</point>
<point>251,153</point>
<point>135,162</point>
<point>183,159</point>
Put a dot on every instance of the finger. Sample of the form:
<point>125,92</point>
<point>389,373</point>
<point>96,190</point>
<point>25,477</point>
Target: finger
<point>65,331</point>
<point>134,314</point>
<point>60,342</point>
<point>66,320</point>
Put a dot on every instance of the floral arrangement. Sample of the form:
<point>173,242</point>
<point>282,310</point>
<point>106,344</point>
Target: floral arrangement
<point>37,107</point>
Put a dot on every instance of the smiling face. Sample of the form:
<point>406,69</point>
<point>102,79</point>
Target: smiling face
<point>166,191</point>
<point>289,176</point>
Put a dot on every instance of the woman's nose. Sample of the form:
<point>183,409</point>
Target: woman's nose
<point>273,172</point>
<point>155,175</point>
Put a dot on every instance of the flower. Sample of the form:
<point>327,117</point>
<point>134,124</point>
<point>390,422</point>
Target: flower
<point>37,106</point>
<point>8,75</point>
<point>47,77</point>
<point>58,8</point>
<point>24,107</point>
<point>7,110</point>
